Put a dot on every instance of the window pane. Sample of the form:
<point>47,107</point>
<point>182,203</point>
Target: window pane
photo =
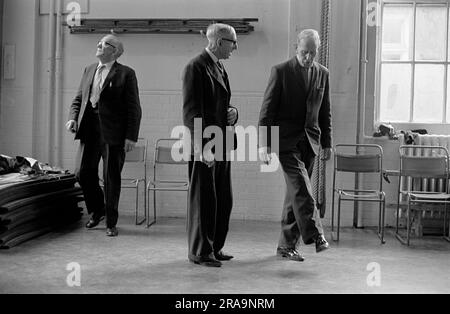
<point>428,93</point>
<point>395,96</point>
<point>431,31</point>
<point>397,32</point>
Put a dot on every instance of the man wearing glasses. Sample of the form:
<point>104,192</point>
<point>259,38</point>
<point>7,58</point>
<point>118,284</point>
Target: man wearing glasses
<point>105,116</point>
<point>297,100</point>
<point>206,96</point>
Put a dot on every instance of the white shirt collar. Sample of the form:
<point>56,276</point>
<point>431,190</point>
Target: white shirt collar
<point>108,65</point>
<point>213,56</point>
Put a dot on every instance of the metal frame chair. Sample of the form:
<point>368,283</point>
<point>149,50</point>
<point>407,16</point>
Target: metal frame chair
<point>137,155</point>
<point>356,163</point>
<point>431,164</point>
<point>163,156</point>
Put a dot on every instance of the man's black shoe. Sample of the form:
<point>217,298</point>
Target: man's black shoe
<point>291,254</point>
<point>221,256</point>
<point>94,221</point>
<point>321,244</point>
<point>112,232</point>
<point>206,261</point>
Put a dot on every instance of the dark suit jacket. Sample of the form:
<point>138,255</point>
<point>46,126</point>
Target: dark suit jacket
<point>119,107</point>
<point>206,95</point>
<point>287,104</point>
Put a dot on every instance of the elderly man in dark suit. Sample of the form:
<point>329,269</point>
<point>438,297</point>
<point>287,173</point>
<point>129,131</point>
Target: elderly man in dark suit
<point>206,96</point>
<point>297,100</point>
<point>105,116</point>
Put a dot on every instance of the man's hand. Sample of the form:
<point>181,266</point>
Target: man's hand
<point>72,126</point>
<point>208,158</point>
<point>232,115</point>
<point>129,145</point>
<point>264,156</point>
<point>327,153</point>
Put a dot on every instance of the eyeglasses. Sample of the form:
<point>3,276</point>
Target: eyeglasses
<point>106,43</point>
<point>305,52</point>
<point>230,40</point>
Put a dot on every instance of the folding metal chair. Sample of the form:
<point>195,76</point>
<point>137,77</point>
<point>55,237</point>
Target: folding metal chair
<point>430,162</point>
<point>163,157</point>
<point>362,158</point>
<point>137,158</point>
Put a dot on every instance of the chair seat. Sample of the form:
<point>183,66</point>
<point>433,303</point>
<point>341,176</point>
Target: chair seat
<point>168,185</point>
<point>376,195</point>
<point>429,196</point>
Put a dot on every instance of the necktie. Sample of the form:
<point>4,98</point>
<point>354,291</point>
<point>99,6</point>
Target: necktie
<point>306,73</point>
<point>220,66</point>
<point>96,86</point>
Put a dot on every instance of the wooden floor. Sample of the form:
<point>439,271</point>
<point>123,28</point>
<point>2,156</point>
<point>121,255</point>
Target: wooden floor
<point>155,261</point>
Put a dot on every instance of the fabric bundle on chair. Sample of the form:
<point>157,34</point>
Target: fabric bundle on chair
<point>34,205</point>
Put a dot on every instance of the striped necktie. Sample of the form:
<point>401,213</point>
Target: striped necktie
<point>97,86</point>
<point>220,66</point>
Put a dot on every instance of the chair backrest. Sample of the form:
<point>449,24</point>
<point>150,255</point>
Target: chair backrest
<point>163,151</point>
<point>135,166</point>
<point>358,161</point>
<point>139,153</point>
<point>430,162</point>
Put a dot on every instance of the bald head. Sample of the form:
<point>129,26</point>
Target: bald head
<point>109,48</point>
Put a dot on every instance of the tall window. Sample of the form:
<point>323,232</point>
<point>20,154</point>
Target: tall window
<point>414,78</point>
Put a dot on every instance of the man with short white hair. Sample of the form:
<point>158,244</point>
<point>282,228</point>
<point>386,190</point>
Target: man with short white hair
<point>297,100</point>
<point>206,96</point>
<point>105,116</point>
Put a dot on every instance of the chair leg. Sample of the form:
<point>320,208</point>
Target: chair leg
<point>332,215</point>
<point>397,214</point>
<point>138,223</point>
<point>379,218</point>
<point>446,222</point>
<point>154,205</point>
<point>338,218</point>
<point>150,222</point>
<point>408,226</point>
<point>187,211</point>
<point>381,221</point>
<point>136,213</point>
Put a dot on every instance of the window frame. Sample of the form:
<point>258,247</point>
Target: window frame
<point>444,123</point>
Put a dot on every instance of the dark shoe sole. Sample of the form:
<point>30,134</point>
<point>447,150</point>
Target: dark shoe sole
<point>322,248</point>
<point>290,258</point>
<point>207,264</point>
<point>223,258</point>
<point>92,224</point>
<point>112,233</point>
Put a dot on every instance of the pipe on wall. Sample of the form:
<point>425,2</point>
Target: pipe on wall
<point>362,78</point>
<point>58,102</point>
<point>51,80</point>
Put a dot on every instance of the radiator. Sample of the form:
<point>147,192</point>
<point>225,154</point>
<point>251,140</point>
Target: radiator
<point>430,219</point>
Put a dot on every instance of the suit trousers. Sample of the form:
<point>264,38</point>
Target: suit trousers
<point>300,216</point>
<point>92,148</point>
<point>209,210</point>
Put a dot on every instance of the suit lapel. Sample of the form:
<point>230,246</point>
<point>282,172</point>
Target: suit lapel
<point>111,74</point>
<point>90,78</point>
<point>214,71</point>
